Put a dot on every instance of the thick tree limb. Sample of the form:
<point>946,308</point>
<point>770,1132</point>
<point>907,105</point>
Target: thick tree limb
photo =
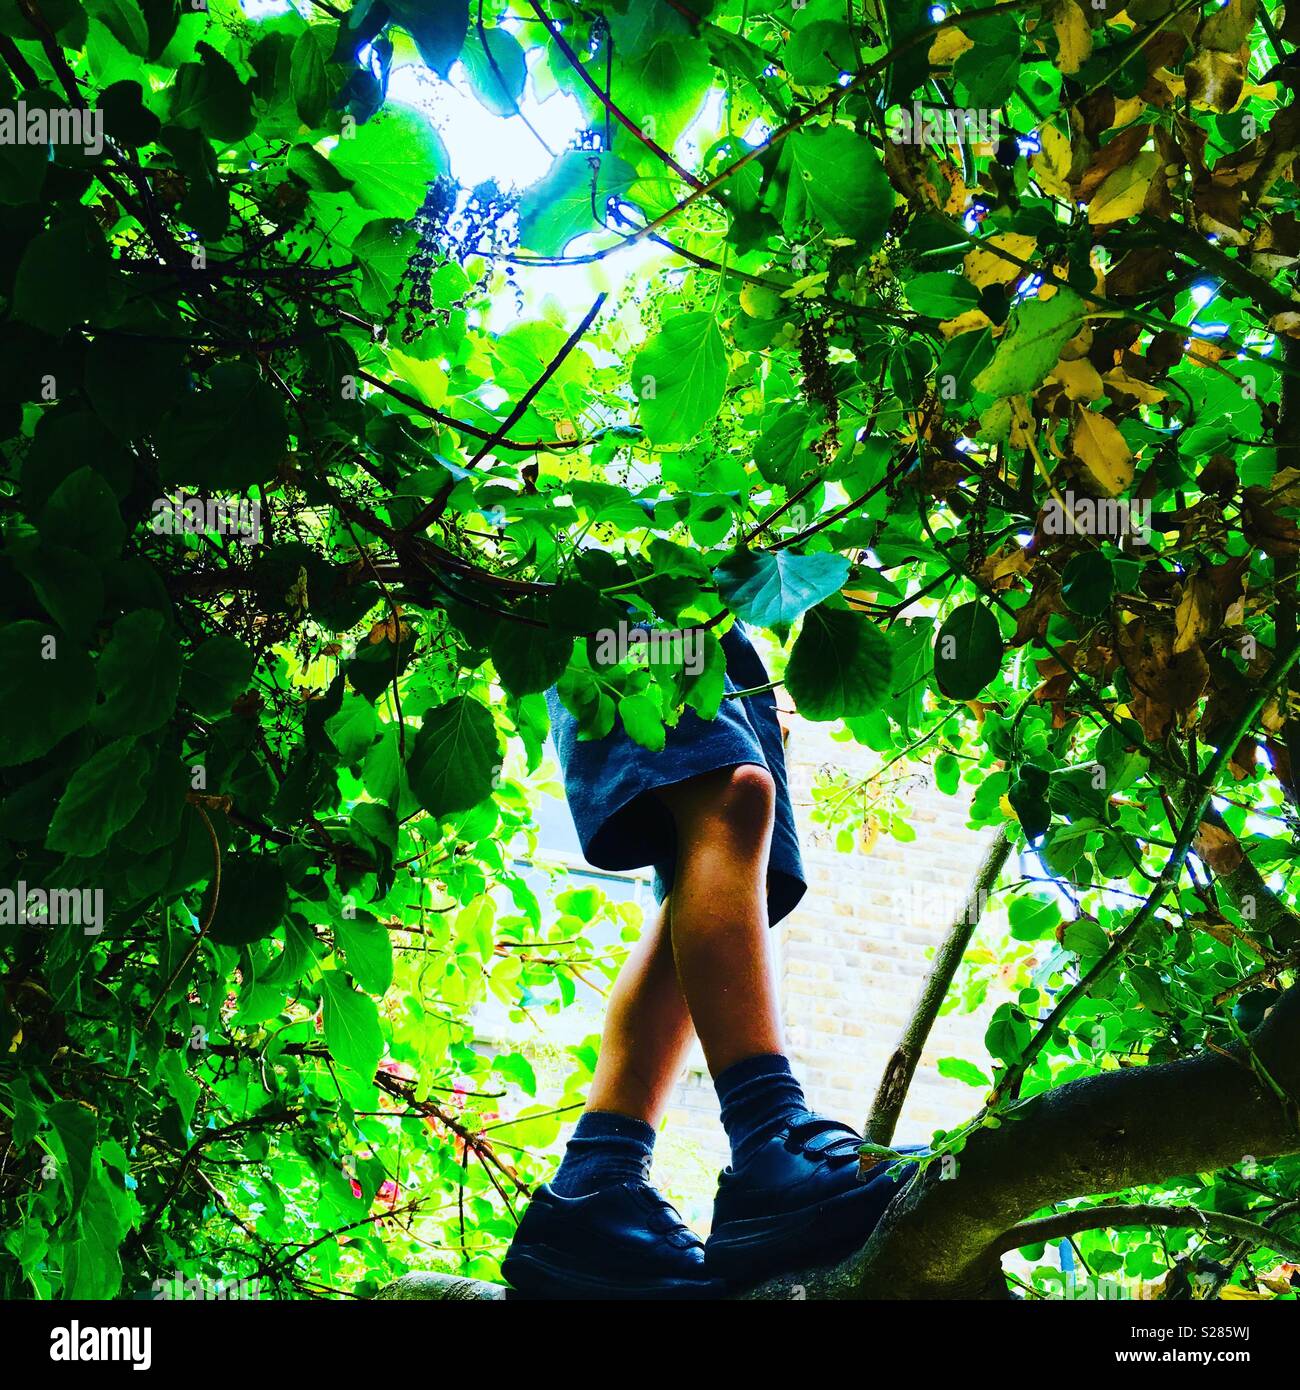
<point>1101,1134</point>
<point>443,1288</point>
<point>897,1079</point>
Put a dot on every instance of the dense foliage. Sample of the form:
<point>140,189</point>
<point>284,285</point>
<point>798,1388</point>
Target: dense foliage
<point>848,372</point>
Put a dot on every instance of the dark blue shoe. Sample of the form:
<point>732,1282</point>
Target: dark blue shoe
<point>797,1202</point>
<point>625,1242</point>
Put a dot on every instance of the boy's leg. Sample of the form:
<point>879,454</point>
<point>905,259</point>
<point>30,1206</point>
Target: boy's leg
<point>719,918</point>
<point>598,1230</point>
<point>647,1031</point>
<point>791,1196</point>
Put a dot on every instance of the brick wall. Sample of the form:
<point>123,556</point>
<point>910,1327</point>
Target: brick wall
<point>850,962</point>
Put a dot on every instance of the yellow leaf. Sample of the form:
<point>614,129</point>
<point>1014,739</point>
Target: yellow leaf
<point>1051,165</point>
<point>1123,192</point>
<point>1194,616</point>
<point>968,322</point>
<point>1127,110</point>
<point>1100,447</point>
<point>949,46</point>
<point>1227,29</point>
<point>1080,379</point>
<point>759,302</point>
<point>1072,35</point>
<point>988,268</point>
<point>1215,81</point>
<point>1117,379</point>
<point>1234,1293</point>
<point>1285,486</point>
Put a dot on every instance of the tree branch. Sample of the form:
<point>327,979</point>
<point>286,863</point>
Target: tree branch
<point>435,509</point>
<point>1070,1223</point>
<point>897,1078</point>
<point>607,101</point>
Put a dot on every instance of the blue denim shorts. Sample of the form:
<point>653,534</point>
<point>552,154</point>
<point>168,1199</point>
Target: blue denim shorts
<point>606,780</point>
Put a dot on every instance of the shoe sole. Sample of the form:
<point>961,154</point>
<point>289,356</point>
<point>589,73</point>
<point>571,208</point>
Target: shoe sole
<point>541,1273</point>
<point>744,1253</point>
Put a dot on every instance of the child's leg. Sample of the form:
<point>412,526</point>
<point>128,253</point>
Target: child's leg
<point>647,1031</point>
<point>719,910</point>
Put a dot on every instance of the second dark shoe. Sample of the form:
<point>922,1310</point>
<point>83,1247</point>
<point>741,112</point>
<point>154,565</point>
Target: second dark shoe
<point>624,1242</point>
<point>797,1202</point>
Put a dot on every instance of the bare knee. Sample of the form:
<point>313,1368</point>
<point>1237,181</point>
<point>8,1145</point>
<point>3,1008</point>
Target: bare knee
<point>739,802</point>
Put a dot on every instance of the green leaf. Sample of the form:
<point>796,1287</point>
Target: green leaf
<point>194,440</point>
<point>82,513</point>
<point>816,54</point>
<point>514,1066</point>
<point>496,69</point>
<point>1028,795</point>
<point>64,275</point>
<point>438,29</point>
<point>209,97</point>
<point>1008,1034</point>
<point>384,248</point>
<point>1031,918</point>
<point>455,757</point>
<point>960,1070</point>
<point>967,651</point>
<point>391,161</point>
<point>820,193</point>
<point>368,950</point>
<point>568,201</point>
<point>216,674</point>
<point>942,295</point>
<point>47,690</point>
<point>779,453</point>
<point>773,588</point>
<point>68,585</point>
<point>947,774</point>
<point>115,370</point>
<point>910,68</point>
<point>1031,344</point>
<point>310,86</point>
<point>1087,583</point>
<point>960,362</point>
<point>75,1132</point>
<point>989,70</point>
<point>123,19</point>
<point>102,796</point>
<point>139,675</point>
<point>529,662</point>
<point>352,1030</point>
<point>679,378</point>
<point>1086,938</point>
<point>353,729</point>
<point>840,666</point>
<point>252,902</point>
<point>126,118</point>
<point>643,722</point>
